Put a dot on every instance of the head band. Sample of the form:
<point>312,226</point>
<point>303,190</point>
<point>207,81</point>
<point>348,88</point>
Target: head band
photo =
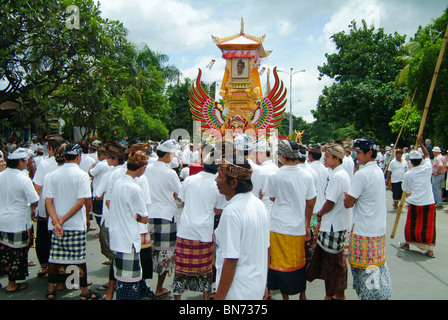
<point>235,171</point>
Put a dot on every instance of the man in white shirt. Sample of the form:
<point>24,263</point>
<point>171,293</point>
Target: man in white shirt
<point>348,163</point>
<point>267,168</point>
<point>242,236</point>
<point>68,189</point>
<point>97,172</point>
<point>395,174</point>
<point>201,201</point>
<point>334,222</point>
<point>294,194</point>
<point>43,235</point>
<point>128,212</point>
<point>18,202</point>
<point>420,227</point>
<point>367,254</point>
<point>164,186</point>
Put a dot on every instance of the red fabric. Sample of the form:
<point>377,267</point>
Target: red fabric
<point>195,168</point>
<point>421,224</point>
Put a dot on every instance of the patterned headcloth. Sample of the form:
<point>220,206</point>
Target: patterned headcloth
<point>139,158</point>
<point>73,149</point>
<point>138,146</point>
<point>115,152</point>
<point>335,149</point>
<point>286,150</point>
<point>59,154</point>
<point>235,171</point>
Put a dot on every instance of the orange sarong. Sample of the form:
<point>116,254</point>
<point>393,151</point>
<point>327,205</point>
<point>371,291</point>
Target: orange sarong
<point>287,253</point>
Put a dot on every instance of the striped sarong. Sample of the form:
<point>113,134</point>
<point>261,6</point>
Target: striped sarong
<point>332,242</point>
<point>127,266</point>
<point>193,257</point>
<point>366,251</point>
<point>420,228</point>
<point>163,234</point>
<point>287,252</point>
<point>15,239</point>
<point>68,249</point>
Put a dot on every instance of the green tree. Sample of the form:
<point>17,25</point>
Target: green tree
<point>364,94</point>
<point>421,72</point>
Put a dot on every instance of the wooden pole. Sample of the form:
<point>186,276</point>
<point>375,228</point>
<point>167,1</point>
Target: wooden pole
<point>401,130</point>
<point>422,123</point>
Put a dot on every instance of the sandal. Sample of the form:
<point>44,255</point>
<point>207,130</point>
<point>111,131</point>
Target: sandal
<point>164,294</point>
<point>90,296</point>
<point>429,255</point>
<point>404,245</point>
<point>51,293</point>
<point>20,287</point>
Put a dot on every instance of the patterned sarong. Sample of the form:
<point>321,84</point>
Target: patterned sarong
<point>366,251</point>
<point>193,257</point>
<point>332,242</point>
<point>163,234</point>
<point>15,239</point>
<point>127,266</point>
<point>420,228</point>
<point>287,252</point>
<point>68,249</point>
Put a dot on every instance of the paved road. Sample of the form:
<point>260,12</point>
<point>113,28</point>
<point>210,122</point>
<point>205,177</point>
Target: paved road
<point>414,276</point>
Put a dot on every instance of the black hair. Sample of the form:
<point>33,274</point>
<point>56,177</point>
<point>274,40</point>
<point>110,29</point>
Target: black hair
<point>161,154</point>
<point>12,163</point>
<point>416,162</point>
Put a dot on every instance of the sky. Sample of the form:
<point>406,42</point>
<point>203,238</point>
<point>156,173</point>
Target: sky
<point>298,33</point>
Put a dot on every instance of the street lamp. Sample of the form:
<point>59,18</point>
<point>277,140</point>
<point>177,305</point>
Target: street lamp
<point>291,73</point>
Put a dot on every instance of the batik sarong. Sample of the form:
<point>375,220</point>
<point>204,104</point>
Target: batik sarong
<point>420,228</point>
<point>287,268</point>
<point>14,255</point>
<point>105,242</point>
<point>163,242</point>
<point>68,249</point>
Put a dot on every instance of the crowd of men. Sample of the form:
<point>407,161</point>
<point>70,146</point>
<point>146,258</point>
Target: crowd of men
<point>257,215</point>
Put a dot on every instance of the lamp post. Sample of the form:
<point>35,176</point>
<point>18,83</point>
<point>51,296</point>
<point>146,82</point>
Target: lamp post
<point>291,73</point>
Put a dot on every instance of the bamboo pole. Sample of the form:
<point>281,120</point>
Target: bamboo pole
<point>399,134</point>
<point>422,123</point>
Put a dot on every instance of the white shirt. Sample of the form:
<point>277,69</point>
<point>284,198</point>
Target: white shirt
<point>163,182</point>
<point>66,185</point>
<point>201,196</point>
<point>86,162</point>
<point>45,166</point>
<point>184,173</point>
<point>417,181</point>
<point>142,181</point>
<point>397,170</point>
<point>369,211</point>
<point>127,201</point>
<point>291,186</point>
<point>103,188</point>
<point>349,166</point>
<point>16,193</point>
<point>268,169</point>
<point>339,217</point>
<point>97,172</point>
<point>243,234</point>
<point>322,175</point>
